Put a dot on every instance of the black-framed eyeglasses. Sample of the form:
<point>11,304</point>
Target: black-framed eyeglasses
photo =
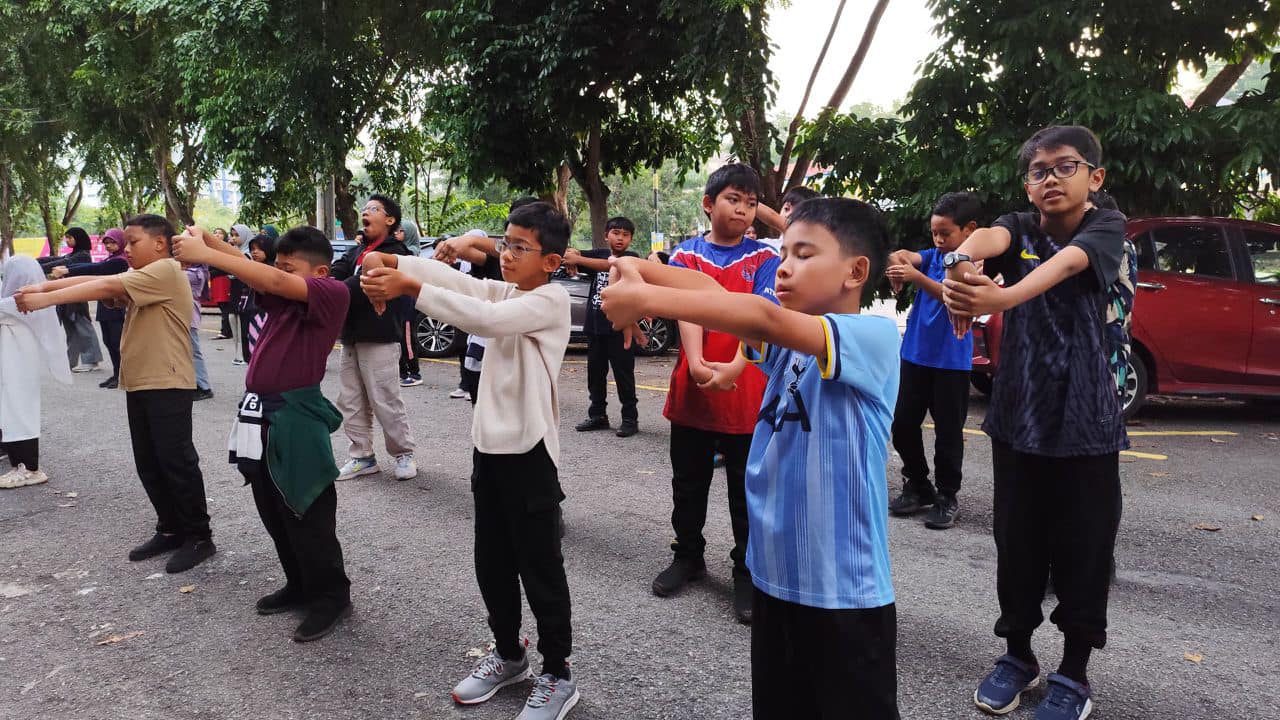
<point>1062,171</point>
<point>517,251</point>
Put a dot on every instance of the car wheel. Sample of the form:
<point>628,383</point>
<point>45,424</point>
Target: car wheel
<point>1134,395</point>
<point>436,339</point>
<point>661,333</point>
<point>981,382</point>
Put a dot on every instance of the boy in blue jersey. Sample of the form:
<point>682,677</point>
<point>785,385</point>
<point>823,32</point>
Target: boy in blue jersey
<point>935,369</point>
<point>817,502</point>
<point>1055,419</point>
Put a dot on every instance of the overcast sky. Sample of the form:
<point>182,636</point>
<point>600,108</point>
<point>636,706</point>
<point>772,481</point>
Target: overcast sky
<point>902,41</point>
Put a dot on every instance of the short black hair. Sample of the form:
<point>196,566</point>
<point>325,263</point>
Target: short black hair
<point>521,202</point>
<point>733,175</point>
<point>1076,136</point>
<point>391,206</point>
<point>542,218</point>
<point>858,227</point>
<point>621,223</point>
<point>153,225</point>
<point>1102,199</point>
<point>306,242</point>
<point>962,207</point>
<point>799,194</point>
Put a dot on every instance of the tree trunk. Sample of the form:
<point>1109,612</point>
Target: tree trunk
<point>344,204</point>
<point>6,210</point>
<point>561,197</point>
<point>161,158</point>
<point>1222,83</point>
<point>779,175</point>
<point>587,172</point>
<point>46,216</point>
<point>448,194</point>
<point>73,201</point>
<point>842,89</point>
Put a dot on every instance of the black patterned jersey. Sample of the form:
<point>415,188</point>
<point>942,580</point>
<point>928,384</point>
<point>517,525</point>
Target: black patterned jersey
<point>1054,393</point>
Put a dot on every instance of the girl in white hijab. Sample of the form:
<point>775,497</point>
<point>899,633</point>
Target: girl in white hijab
<point>29,343</point>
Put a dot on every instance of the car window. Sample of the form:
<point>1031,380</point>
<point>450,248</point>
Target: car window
<point>1191,250</point>
<point>1264,253</point>
<point>1146,255</point>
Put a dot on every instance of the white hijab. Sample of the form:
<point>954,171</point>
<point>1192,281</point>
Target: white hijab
<point>16,273</point>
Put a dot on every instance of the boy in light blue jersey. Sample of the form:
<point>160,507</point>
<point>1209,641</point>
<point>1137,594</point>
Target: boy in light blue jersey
<point>817,500</point>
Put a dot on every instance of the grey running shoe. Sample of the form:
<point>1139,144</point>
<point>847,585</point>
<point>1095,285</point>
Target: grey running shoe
<point>552,698</point>
<point>491,675</point>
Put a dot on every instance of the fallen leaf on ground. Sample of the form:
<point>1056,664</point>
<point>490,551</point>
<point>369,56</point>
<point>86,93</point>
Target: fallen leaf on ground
<point>475,653</point>
<point>420,695</point>
<point>1216,440</point>
<point>1158,474</point>
<point>155,576</point>
<point>1192,657</point>
<point>71,495</point>
<point>1207,526</point>
<point>646,472</point>
<point>1258,518</point>
<point>119,638</point>
<point>187,589</point>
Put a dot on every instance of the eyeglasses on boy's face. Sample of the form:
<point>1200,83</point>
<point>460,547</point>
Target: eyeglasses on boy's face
<point>517,250</point>
<point>1061,170</point>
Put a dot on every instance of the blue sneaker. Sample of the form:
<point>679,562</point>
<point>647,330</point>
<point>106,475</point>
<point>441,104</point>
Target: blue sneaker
<point>1066,700</point>
<point>1001,690</point>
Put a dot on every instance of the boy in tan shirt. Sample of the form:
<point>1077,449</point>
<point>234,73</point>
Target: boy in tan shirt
<point>159,380</point>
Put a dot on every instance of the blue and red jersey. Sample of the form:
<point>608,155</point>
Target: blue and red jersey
<point>748,267</point>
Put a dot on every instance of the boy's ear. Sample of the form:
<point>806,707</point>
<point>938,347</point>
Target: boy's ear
<point>708,202</point>
<point>859,270</point>
<point>320,271</point>
<point>969,227</point>
<point>1096,179</point>
<point>551,262</point>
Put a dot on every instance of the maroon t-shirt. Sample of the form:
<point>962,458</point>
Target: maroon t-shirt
<point>297,337</point>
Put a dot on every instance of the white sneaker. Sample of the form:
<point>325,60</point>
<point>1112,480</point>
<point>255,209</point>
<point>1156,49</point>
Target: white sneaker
<point>356,467</point>
<point>87,367</point>
<point>460,394</point>
<point>22,477</point>
<point>406,467</point>
<point>238,362</point>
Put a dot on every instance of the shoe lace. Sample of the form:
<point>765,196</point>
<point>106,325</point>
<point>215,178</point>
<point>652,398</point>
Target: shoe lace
<point>490,665</point>
<point>1006,674</point>
<point>543,688</point>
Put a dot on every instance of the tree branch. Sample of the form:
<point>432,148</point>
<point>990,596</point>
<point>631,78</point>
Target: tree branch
<point>780,172</point>
<point>1222,83</point>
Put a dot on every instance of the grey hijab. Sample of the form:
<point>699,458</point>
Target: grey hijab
<point>412,239</point>
<point>245,236</point>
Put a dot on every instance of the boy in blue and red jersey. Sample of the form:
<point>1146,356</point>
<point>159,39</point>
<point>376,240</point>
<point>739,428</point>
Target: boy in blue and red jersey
<point>709,411</point>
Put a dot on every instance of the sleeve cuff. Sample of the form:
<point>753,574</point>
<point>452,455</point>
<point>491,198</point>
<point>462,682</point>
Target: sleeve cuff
<point>829,365</point>
<point>753,356</point>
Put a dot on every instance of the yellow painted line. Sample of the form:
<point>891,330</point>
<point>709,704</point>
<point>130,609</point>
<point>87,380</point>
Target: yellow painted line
<point>1144,456</point>
<point>1130,453</point>
<point>1180,433</point>
<point>645,387</point>
<point>437,360</point>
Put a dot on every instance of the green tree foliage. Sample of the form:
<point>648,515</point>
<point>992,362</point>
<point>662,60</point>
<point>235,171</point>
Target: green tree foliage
<point>286,88</point>
<point>604,86</point>
<point>1008,67</point>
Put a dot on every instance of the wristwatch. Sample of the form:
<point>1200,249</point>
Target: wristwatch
<point>953,259</point>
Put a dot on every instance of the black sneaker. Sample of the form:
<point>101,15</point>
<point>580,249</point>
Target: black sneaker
<point>592,423</point>
<point>282,600</point>
<point>742,591</point>
<point>192,553</point>
<point>944,512</point>
<point>628,428</point>
<point>205,394</point>
<point>110,383</point>
<point>159,544</point>
<point>321,620</point>
<point>910,502</point>
<point>677,574</point>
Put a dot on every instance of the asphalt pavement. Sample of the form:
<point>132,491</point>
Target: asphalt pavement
<point>86,634</point>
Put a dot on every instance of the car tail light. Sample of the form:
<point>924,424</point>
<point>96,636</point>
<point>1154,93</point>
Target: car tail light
<point>979,341</point>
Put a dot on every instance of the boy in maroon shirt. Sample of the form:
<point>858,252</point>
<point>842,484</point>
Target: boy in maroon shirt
<point>280,440</point>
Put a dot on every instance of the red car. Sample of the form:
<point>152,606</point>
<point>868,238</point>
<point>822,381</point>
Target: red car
<point>1206,313</point>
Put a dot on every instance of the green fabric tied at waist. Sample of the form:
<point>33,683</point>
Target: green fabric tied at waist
<point>299,452</point>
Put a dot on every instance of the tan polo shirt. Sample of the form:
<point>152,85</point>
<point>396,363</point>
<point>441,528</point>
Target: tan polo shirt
<point>155,349</point>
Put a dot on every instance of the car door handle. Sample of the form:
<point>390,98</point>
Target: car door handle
<point>1151,286</point>
<point>1269,301</point>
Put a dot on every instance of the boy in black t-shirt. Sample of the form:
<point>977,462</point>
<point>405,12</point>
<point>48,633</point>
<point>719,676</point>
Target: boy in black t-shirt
<point>1055,417</point>
<point>606,347</point>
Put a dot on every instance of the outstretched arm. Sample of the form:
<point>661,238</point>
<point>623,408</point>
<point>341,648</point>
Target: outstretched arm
<point>750,317</point>
<point>983,244</point>
<point>199,247</point>
<point>103,288</point>
<point>976,294</point>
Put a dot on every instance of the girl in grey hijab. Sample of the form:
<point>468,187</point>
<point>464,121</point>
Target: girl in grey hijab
<point>408,234</point>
